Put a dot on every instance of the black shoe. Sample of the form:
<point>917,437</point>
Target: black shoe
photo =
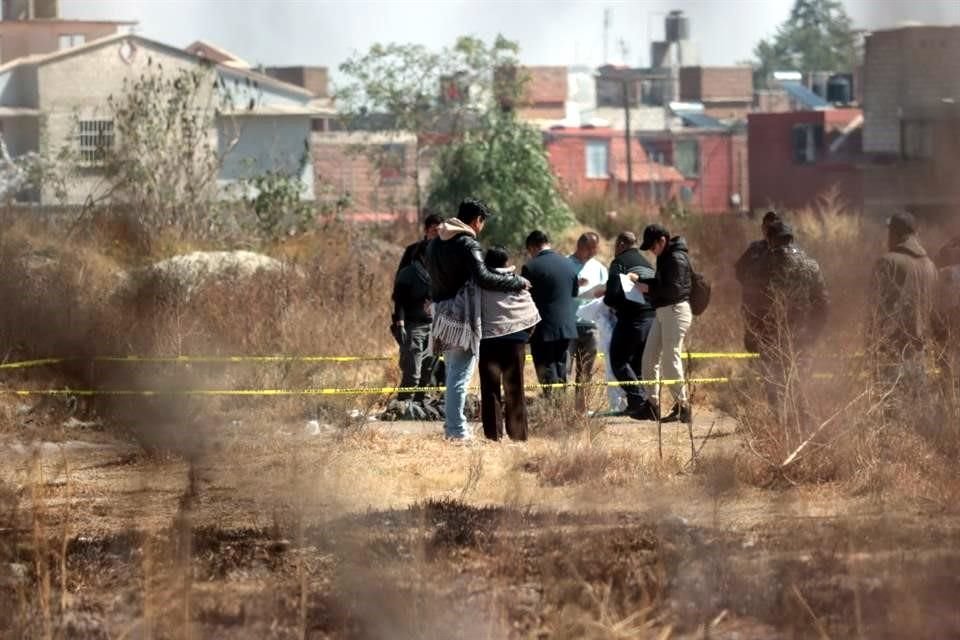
<point>647,411</point>
<point>679,414</point>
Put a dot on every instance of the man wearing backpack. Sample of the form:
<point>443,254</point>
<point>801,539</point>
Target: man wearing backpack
<point>670,291</point>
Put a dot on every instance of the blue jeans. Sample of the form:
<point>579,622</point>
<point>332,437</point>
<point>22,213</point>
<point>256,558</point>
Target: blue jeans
<point>460,364</point>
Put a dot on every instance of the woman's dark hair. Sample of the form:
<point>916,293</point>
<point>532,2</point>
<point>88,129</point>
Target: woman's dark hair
<point>496,258</point>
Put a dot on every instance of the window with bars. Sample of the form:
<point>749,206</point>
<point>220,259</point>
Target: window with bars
<point>597,153</point>
<point>96,138</point>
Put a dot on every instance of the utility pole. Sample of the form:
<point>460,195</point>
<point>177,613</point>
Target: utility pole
<point>625,54</point>
<point>606,34</point>
<point>626,137</point>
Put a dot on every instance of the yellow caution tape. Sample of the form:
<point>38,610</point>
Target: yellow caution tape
<point>329,391</point>
<point>241,358</point>
<point>30,363</point>
<point>280,358</point>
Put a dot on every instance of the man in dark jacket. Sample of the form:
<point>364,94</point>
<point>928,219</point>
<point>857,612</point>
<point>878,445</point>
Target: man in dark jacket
<point>413,317</point>
<point>554,286</point>
<point>670,291</point>
<point>454,258</point>
<point>430,226</point>
<point>790,319</point>
<point>752,271</point>
<point>635,317</point>
<point>902,288</point>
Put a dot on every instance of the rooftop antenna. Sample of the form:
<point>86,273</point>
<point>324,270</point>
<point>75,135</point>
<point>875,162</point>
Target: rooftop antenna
<point>606,34</point>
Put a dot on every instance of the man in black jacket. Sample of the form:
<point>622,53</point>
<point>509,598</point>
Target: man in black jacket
<point>635,317</point>
<point>670,291</point>
<point>431,224</point>
<point>554,286</point>
<point>413,316</point>
<point>454,258</point>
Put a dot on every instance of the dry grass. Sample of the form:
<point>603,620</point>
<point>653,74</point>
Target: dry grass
<point>259,532</point>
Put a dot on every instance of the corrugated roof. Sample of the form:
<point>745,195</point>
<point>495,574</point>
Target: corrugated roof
<point>699,119</point>
<point>803,95</point>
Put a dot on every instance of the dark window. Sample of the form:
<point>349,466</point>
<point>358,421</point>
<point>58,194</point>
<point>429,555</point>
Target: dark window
<point>688,157</point>
<point>807,143</point>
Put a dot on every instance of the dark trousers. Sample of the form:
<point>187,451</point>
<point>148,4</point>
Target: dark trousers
<point>550,361</point>
<point>501,362</point>
<point>583,357</point>
<point>626,356</point>
<point>416,361</point>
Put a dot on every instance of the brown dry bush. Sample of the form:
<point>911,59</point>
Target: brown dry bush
<point>582,461</point>
<point>63,297</point>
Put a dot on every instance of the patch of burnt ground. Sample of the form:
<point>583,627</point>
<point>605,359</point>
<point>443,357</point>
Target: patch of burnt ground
<point>444,569</point>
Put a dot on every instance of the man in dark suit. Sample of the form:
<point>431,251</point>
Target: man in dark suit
<point>554,287</point>
<point>635,318</point>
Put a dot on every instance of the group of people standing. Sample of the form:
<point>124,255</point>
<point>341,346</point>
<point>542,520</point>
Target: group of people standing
<point>457,307</point>
<point>472,307</point>
<point>913,307</point>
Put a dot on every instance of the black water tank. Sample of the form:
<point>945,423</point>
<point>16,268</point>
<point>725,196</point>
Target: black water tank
<point>840,88</point>
<point>677,26</point>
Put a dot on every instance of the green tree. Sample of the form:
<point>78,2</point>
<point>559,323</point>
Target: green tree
<point>504,163</point>
<point>432,94</point>
<point>818,36</point>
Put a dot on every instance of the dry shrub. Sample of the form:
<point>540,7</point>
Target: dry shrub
<point>606,585</point>
<point>61,299</point>
<point>577,461</point>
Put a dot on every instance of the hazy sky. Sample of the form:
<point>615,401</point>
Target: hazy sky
<point>325,32</point>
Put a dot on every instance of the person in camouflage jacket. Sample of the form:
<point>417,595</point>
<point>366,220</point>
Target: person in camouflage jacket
<point>793,317</point>
<point>752,272</point>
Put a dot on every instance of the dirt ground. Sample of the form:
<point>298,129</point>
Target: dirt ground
<point>384,530</point>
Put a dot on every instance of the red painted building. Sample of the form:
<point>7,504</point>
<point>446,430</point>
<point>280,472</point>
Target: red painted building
<point>799,155</point>
<point>712,163</point>
<point>592,161</point>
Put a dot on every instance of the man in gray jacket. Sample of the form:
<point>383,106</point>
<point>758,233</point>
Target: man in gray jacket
<point>902,288</point>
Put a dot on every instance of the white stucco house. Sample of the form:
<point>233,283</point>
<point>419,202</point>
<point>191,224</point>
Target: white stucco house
<point>48,101</point>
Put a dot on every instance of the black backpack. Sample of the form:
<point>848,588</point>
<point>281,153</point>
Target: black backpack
<point>699,293</point>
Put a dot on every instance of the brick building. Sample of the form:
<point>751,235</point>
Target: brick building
<point>312,78</point>
<point>34,27</point>
<point>544,96</point>
<point>796,156</point>
<point>725,92</point>
<point>911,134</point>
<point>711,161</point>
<point>373,170</point>
<point>593,162</point>
<point>61,100</point>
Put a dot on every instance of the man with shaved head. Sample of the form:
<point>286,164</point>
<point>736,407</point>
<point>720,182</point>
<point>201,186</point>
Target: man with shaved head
<point>635,317</point>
